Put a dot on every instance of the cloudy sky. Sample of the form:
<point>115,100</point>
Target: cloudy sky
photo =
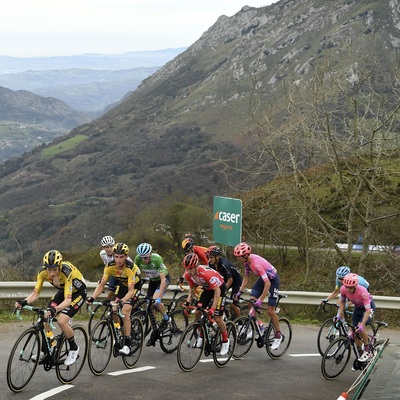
<point>30,28</point>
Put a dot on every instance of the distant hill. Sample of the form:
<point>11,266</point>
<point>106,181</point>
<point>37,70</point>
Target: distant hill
<point>128,60</point>
<point>28,120</point>
<point>206,105</point>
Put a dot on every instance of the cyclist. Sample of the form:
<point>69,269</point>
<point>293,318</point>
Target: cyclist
<point>107,244</point>
<point>153,266</point>
<point>229,272</point>
<point>189,247</point>
<point>214,289</point>
<point>127,280</point>
<point>266,284</point>
<point>70,296</point>
<point>364,307</point>
<point>341,272</point>
<point>107,255</point>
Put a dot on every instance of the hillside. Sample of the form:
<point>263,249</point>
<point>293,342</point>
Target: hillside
<point>203,107</point>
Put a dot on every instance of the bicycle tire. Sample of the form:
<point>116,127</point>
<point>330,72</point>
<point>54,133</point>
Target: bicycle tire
<point>137,339</point>
<point>335,358</point>
<point>326,335</point>
<point>188,354</point>
<point>244,342</point>
<point>101,347</point>
<point>142,314</point>
<point>21,366</point>
<point>221,361</point>
<point>286,332</point>
<point>178,303</point>
<point>170,336</point>
<point>100,312</point>
<point>67,374</point>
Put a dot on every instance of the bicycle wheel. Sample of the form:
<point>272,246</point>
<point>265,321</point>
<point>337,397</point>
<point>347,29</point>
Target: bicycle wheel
<point>169,339</point>
<point>142,314</point>
<point>137,338</point>
<point>336,357</point>
<point>179,302</point>
<point>188,353</point>
<point>327,334</point>
<point>246,331</point>
<point>67,373</point>
<point>286,332</point>
<point>99,312</point>
<point>221,361</point>
<point>23,360</point>
<point>101,347</point>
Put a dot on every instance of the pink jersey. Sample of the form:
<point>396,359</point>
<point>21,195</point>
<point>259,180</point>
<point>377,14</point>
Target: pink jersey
<point>208,278</point>
<point>261,267</point>
<point>360,298</point>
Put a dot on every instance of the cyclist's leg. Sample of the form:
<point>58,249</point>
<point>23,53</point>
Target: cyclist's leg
<point>63,320</point>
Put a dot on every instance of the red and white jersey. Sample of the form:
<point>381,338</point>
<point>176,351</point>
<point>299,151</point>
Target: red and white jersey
<point>206,277</point>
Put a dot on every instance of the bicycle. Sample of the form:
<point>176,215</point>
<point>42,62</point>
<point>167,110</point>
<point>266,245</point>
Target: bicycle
<point>189,354</point>
<point>107,338</point>
<point>169,337</point>
<point>25,355</point>
<point>329,330</point>
<point>337,354</point>
<point>100,311</point>
<point>247,329</point>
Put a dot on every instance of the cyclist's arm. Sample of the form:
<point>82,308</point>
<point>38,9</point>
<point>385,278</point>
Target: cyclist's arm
<point>333,294</point>
<point>163,285</point>
<point>217,296</point>
<point>267,285</point>
<point>99,287</point>
<point>244,283</point>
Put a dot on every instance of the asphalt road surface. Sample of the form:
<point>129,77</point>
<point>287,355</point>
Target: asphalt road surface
<point>157,375</point>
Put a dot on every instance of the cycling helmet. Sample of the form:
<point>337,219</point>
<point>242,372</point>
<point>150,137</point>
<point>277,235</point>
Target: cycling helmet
<point>52,259</point>
<point>191,260</point>
<point>242,249</point>
<point>341,272</point>
<point>107,241</point>
<point>144,249</point>
<point>187,244</point>
<point>214,251</point>
<point>350,280</point>
<point>120,248</point>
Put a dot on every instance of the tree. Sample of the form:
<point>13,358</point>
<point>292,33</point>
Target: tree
<point>330,150</point>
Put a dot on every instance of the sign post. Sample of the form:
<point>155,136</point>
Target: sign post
<point>227,220</point>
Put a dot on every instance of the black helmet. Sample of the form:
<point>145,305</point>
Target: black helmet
<point>121,248</point>
<point>214,251</point>
<point>52,259</point>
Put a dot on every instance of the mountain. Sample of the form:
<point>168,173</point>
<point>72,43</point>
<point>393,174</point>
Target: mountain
<point>168,136</point>
<point>128,60</point>
<point>87,90</point>
<point>28,120</point>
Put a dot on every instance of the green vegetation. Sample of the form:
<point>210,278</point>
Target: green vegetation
<point>63,146</point>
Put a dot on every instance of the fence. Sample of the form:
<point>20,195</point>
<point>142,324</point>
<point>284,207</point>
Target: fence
<point>19,290</point>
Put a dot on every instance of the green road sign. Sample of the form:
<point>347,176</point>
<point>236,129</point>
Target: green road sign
<point>227,221</point>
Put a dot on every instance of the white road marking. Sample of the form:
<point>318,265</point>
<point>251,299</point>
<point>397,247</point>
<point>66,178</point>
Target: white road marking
<point>130,371</point>
<point>52,392</point>
<point>306,355</point>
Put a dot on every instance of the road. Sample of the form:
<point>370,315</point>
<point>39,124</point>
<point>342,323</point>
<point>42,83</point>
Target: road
<point>157,375</point>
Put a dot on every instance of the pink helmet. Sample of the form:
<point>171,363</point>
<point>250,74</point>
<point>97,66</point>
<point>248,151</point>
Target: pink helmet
<point>350,280</point>
<point>242,249</point>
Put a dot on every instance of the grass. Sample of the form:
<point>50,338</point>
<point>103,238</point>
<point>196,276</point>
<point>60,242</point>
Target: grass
<point>61,147</point>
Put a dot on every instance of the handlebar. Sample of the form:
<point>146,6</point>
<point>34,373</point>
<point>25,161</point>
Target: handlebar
<point>38,310</point>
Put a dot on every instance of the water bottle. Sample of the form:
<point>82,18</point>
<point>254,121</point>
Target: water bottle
<point>51,339</point>
<point>117,327</point>
<point>261,326</point>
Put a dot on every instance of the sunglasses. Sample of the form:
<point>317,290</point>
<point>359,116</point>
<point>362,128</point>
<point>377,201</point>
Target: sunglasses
<point>145,258</point>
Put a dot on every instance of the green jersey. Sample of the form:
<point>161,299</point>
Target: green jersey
<point>153,269</point>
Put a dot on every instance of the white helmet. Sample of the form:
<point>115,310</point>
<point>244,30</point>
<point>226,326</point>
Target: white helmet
<point>107,241</point>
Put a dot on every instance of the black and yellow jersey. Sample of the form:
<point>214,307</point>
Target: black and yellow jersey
<point>129,275</point>
<point>70,279</point>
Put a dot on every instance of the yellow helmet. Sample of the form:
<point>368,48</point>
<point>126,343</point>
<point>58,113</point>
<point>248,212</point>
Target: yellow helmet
<point>121,248</point>
<point>52,259</point>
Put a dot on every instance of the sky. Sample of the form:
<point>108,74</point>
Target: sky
<point>37,28</point>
